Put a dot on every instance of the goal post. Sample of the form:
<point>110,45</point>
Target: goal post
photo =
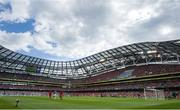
<point>153,93</point>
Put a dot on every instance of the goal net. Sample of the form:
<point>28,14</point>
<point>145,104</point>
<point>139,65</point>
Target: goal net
<point>154,93</point>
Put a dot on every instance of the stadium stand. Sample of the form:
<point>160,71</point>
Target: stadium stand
<point>120,72</point>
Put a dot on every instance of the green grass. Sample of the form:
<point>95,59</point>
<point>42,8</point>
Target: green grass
<point>27,102</point>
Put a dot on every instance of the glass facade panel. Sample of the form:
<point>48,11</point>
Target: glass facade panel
<point>38,59</point>
<point>52,63</point>
<point>16,57</point>
<point>26,59</point>
<point>44,63</point>
<point>10,56</point>
<point>49,63</point>
<point>21,58</point>
<point>30,60</point>
<point>2,50</point>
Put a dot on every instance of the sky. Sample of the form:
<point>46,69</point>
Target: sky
<point>66,30</point>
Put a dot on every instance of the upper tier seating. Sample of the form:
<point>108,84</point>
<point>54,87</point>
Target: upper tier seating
<point>128,72</point>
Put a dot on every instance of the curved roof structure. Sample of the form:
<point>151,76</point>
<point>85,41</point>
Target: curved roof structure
<point>116,58</point>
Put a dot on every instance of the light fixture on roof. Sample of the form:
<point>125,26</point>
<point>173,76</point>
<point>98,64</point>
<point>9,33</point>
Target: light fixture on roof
<point>177,42</point>
<point>141,52</point>
<point>158,55</point>
<point>102,60</point>
<point>152,51</point>
<point>120,67</point>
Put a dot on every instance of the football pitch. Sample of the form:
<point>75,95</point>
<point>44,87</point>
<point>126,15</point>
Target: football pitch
<point>34,102</point>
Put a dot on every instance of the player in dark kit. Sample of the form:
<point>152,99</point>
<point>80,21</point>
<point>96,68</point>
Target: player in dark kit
<point>61,95</point>
<point>50,94</point>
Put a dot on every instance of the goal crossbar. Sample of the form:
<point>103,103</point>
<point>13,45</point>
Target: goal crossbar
<point>154,93</point>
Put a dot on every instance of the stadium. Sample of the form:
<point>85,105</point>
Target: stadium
<point>139,75</point>
<point>89,54</point>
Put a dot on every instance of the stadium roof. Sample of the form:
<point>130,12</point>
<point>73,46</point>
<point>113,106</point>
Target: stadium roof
<point>116,58</point>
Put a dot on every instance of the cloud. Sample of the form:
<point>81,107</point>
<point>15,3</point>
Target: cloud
<point>79,28</point>
<point>154,29</point>
<point>17,13</point>
<point>16,41</point>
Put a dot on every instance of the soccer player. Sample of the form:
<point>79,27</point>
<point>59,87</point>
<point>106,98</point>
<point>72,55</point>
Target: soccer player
<point>61,95</point>
<point>50,94</point>
<point>55,95</point>
<point>17,102</point>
